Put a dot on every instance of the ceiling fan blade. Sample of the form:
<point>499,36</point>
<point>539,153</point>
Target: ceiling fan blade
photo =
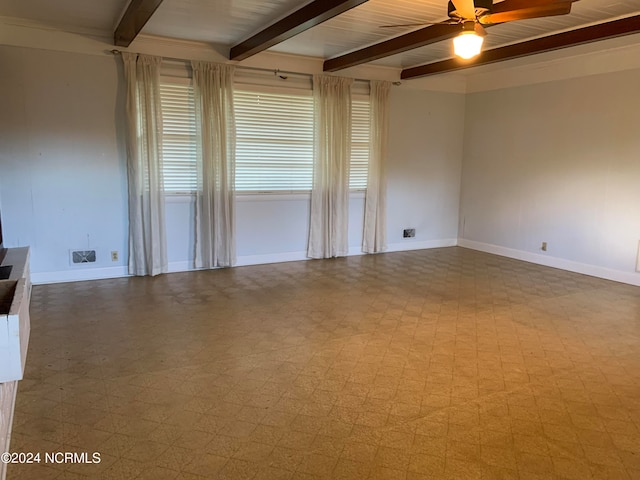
<point>479,29</point>
<point>526,13</point>
<point>509,5</point>
<point>465,8</point>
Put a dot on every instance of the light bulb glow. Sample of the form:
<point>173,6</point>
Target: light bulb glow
<point>467,44</point>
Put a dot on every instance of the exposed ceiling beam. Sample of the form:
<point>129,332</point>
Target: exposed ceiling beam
<point>137,14</point>
<point>306,17</point>
<point>603,31</point>
<point>403,43</point>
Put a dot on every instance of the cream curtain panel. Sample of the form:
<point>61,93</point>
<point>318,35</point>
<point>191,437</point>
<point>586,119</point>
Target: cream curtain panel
<point>215,202</point>
<point>374,238</point>
<point>147,231</point>
<point>332,153</point>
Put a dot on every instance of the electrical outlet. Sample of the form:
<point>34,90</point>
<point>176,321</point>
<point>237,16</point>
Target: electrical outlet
<point>114,256</point>
<point>409,233</point>
<point>544,246</point>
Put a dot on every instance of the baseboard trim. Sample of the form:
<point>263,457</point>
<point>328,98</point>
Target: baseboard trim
<point>80,275</point>
<point>184,266</point>
<point>421,245</point>
<point>555,262</point>
<point>247,260</point>
<point>630,278</point>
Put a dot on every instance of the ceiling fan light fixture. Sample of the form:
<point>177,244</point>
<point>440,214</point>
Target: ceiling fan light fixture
<point>467,45</point>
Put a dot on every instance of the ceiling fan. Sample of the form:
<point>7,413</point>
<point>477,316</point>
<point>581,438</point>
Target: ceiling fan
<point>469,16</point>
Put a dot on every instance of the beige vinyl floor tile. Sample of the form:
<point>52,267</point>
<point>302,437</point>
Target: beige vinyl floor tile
<point>431,364</point>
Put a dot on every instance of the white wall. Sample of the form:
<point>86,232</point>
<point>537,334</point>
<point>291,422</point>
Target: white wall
<point>557,162</point>
<point>424,166</point>
<point>63,174</point>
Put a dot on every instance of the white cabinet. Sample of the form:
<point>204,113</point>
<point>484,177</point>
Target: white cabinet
<point>8,392</point>
<point>15,293</point>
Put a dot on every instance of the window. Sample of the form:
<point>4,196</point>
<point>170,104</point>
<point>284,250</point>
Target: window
<point>274,146</point>
<point>274,140</point>
<point>360,120</point>
<point>178,138</point>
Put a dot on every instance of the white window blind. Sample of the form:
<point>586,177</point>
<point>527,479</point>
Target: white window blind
<point>360,120</point>
<point>274,140</point>
<point>178,137</point>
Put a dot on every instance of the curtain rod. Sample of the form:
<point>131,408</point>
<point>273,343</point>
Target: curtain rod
<point>258,69</point>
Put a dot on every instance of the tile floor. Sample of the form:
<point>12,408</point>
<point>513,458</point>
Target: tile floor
<point>444,363</point>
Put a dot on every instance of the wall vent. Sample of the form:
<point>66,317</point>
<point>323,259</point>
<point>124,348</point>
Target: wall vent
<point>409,233</point>
<point>83,256</point>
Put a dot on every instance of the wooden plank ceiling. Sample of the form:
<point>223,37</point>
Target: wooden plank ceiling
<point>342,32</point>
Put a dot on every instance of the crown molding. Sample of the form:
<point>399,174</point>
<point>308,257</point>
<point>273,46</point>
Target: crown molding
<point>38,25</point>
<point>18,32</point>
<point>605,56</point>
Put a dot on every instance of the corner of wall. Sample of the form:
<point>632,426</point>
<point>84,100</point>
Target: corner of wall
<point>554,262</point>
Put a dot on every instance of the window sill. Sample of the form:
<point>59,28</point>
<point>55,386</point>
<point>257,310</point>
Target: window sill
<point>258,196</point>
<point>179,197</point>
<point>280,196</point>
